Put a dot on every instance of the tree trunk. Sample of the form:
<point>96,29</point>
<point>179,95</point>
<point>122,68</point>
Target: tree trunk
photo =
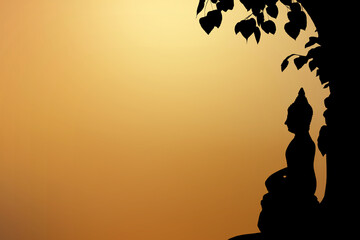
<point>336,29</point>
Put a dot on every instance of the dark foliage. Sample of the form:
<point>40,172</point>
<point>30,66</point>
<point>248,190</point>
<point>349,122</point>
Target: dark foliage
<point>256,21</point>
<point>312,58</point>
<point>213,18</point>
<point>297,18</point>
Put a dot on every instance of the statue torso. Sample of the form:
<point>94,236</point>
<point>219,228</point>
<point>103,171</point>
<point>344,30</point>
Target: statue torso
<point>300,160</point>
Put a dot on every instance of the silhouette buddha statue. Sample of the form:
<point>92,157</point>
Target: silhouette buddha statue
<point>290,204</point>
<point>299,176</point>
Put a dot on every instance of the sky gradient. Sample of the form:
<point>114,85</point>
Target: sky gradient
<point>125,120</point>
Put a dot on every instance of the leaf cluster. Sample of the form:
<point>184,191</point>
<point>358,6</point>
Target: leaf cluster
<point>255,22</point>
<point>257,6</point>
<point>250,26</point>
<point>312,58</point>
<point>213,18</point>
<point>297,19</point>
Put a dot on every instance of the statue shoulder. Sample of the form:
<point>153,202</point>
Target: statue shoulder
<point>300,147</point>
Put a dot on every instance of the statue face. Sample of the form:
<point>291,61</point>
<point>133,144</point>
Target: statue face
<point>297,121</point>
<point>299,114</point>
<point>291,122</point>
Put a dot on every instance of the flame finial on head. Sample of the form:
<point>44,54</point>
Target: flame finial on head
<point>301,100</point>
<point>301,92</point>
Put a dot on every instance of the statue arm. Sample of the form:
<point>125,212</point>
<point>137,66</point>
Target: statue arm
<point>276,180</point>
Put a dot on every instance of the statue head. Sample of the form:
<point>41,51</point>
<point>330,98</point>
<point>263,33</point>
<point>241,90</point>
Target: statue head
<point>299,114</point>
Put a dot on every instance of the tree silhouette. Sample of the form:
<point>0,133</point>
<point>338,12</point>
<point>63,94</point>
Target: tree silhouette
<point>331,56</point>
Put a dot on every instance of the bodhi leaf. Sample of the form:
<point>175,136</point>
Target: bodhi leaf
<point>246,27</point>
<point>257,34</point>
<point>312,41</point>
<point>285,63</point>
<point>269,27</point>
<point>211,20</point>
<point>298,18</point>
<point>272,10</point>
<point>225,5</point>
<point>206,24</point>
<point>300,61</point>
<point>292,30</point>
<point>200,6</point>
<point>314,52</point>
<point>216,17</point>
<point>313,64</point>
<point>260,18</point>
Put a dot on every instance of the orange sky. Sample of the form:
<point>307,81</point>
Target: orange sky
<point>124,120</point>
